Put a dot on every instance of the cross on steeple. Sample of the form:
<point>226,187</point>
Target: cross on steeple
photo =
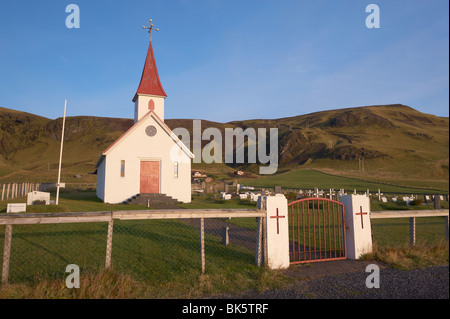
<point>150,29</point>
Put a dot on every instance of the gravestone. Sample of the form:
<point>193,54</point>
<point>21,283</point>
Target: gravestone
<point>407,200</point>
<point>16,208</point>
<point>226,196</point>
<point>277,189</point>
<point>35,196</point>
<point>254,197</point>
<point>379,194</point>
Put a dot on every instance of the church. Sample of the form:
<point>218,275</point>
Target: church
<point>148,158</point>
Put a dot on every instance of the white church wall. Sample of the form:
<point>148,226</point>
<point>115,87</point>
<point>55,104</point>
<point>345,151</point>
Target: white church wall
<point>137,146</point>
<point>177,187</point>
<point>121,188</point>
<point>101,181</point>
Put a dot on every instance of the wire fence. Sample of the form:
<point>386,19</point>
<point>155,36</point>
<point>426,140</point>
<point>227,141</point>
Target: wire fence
<point>155,246</point>
<point>146,249</point>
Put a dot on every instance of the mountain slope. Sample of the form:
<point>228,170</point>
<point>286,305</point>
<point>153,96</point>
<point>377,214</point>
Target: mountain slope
<point>393,140</point>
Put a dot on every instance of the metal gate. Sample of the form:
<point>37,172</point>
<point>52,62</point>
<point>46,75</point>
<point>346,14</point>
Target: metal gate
<point>316,230</point>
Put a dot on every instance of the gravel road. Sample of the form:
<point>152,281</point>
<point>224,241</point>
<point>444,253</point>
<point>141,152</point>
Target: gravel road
<point>427,283</point>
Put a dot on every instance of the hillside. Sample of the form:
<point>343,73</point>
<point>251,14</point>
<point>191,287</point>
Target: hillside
<point>396,142</point>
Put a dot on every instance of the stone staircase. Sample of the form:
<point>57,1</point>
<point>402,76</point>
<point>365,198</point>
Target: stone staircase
<point>158,201</point>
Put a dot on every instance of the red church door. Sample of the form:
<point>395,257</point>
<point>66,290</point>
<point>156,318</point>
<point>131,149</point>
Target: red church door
<point>149,177</point>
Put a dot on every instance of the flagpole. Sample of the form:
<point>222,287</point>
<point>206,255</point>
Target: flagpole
<point>60,153</point>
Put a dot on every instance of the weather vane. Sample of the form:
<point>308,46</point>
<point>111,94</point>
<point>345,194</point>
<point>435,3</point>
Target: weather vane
<point>150,29</point>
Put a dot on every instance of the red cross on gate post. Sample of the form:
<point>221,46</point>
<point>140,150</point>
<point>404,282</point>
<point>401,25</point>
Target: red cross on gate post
<point>278,218</point>
<point>361,214</point>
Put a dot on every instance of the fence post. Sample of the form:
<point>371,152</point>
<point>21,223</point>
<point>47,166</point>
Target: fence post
<point>276,231</point>
<point>261,242</point>
<point>6,253</point>
<point>359,230</point>
<point>259,237</point>
<point>3,191</point>
<point>225,236</point>
<point>202,243</point>
<point>412,231</point>
<point>437,202</point>
<point>109,243</point>
<point>446,228</point>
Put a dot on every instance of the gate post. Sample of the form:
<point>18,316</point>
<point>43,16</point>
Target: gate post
<point>277,231</point>
<point>359,230</point>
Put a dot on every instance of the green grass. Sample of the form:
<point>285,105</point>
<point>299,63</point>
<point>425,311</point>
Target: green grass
<point>394,232</point>
<point>411,257</point>
<point>308,179</point>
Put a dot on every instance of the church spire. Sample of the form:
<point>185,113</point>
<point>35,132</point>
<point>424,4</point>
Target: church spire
<point>150,83</point>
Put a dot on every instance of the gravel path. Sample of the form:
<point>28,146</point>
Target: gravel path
<point>428,283</point>
<point>344,279</point>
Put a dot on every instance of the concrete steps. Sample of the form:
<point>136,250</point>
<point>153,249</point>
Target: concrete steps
<point>159,201</point>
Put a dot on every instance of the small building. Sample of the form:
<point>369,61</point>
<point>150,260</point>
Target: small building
<point>148,158</point>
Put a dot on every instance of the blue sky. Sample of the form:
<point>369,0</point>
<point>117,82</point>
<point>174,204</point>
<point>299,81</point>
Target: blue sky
<point>225,60</point>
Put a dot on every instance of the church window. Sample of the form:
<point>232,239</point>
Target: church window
<point>175,169</point>
<point>122,168</point>
<point>151,105</point>
<point>150,130</point>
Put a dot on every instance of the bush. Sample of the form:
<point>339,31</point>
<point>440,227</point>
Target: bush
<point>417,202</point>
<point>291,196</point>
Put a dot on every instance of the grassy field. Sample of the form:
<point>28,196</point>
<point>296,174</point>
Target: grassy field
<point>308,179</point>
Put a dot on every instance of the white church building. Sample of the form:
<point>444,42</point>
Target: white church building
<point>148,158</point>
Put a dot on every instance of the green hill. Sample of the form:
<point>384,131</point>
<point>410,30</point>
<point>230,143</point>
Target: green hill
<point>398,144</point>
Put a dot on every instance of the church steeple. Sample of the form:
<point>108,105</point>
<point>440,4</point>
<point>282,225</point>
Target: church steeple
<point>150,94</point>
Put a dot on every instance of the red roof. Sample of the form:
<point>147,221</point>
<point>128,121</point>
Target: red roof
<point>150,83</point>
